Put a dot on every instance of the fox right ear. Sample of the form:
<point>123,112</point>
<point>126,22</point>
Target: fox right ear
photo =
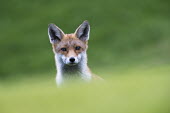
<point>55,33</point>
<point>82,32</point>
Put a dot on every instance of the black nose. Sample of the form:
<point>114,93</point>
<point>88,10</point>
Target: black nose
<point>72,59</point>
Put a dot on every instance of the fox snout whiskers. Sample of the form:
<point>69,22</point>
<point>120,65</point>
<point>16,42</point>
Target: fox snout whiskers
<point>72,61</point>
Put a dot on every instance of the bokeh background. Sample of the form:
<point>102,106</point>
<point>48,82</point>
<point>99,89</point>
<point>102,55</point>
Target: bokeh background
<point>129,47</point>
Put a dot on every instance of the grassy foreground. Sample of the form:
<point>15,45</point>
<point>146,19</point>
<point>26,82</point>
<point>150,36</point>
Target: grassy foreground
<point>123,33</point>
<point>131,91</point>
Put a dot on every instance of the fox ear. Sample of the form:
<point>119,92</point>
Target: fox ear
<point>83,31</point>
<point>55,33</point>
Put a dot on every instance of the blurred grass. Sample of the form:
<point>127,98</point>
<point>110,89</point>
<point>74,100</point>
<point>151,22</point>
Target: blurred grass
<point>135,90</point>
<point>122,31</point>
<point>129,47</point>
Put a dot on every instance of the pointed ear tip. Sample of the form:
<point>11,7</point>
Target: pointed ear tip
<point>51,24</point>
<point>86,21</point>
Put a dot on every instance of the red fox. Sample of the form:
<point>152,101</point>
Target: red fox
<point>70,52</point>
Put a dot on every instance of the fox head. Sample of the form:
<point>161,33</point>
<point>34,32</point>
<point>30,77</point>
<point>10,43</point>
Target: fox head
<point>69,48</point>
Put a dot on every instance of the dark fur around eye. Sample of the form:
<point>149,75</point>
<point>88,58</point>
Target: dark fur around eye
<point>77,47</point>
<point>63,49</point>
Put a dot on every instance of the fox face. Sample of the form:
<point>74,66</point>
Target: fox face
<point>70,49</point>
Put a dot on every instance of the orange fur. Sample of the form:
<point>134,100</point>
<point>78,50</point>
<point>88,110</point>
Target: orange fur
<point>65,50</point>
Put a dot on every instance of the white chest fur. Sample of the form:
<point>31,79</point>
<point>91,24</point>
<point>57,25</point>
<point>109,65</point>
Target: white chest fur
<point>65,72</point>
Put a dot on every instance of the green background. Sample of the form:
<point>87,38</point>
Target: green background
<point>129,47</point>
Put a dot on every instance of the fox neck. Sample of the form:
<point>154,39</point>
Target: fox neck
<point>64,71</point>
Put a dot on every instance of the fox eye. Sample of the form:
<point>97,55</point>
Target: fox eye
<point>63,49</point>
<point>77,47</point>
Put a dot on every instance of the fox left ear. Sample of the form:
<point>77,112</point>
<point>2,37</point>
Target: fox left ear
<point>83,31</point>
<point>55,33</point>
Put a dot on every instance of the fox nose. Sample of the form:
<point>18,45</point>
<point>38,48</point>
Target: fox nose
<point>72,59</point>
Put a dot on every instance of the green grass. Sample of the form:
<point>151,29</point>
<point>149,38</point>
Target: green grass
<point>128,46</point>
<point>121,31</point>
<point>134,90</point>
